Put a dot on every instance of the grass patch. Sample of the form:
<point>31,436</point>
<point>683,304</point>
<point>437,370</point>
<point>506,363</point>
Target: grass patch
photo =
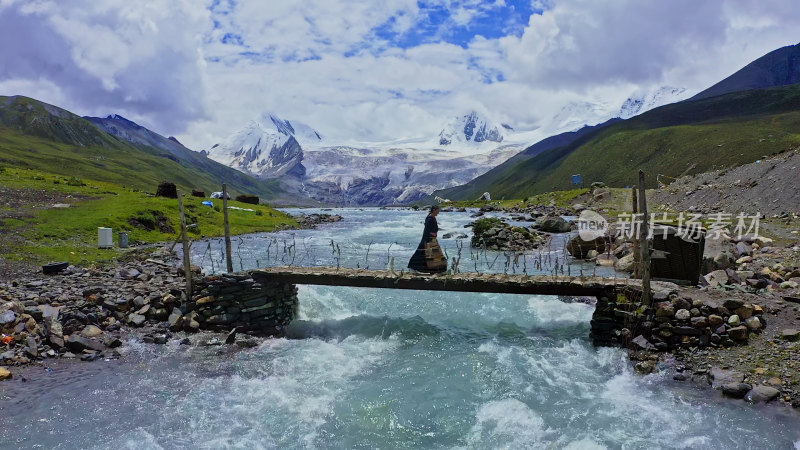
<point>563,199</point>
<point>71,233</point>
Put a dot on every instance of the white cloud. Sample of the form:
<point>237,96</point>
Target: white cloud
<point>200,71</point>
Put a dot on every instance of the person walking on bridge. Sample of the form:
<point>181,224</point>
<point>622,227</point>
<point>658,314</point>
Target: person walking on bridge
<point>429,257</point>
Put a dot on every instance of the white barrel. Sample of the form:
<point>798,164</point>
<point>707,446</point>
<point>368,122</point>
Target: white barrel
<point>104,237</point>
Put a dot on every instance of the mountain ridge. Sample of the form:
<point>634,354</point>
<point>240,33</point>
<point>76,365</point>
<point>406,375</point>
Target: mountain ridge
<point>685,137</point>
<point>780,67</point>
<point>37,135</point>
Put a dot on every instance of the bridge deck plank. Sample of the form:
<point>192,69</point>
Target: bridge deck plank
<point>463,282</point>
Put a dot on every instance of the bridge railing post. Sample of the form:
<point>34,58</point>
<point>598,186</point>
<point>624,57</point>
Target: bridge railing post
<point>644,244</point>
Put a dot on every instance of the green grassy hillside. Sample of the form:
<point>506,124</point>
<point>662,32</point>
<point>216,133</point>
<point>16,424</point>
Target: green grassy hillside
<point>39,136</point>
<point>686,137</point>
<point>38,232</point>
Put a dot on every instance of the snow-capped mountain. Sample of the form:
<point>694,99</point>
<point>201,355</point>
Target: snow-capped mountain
<point>470,127</point>
<point>576,115</point>
<point>644,101</point>
<point>268,147</point>
<point>368,173</point>
<point>382,173</point>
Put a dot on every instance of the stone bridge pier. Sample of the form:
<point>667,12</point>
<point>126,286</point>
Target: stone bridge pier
<point>247,301</point>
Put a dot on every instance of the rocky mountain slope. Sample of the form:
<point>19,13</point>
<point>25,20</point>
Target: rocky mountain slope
<point>767,186</point>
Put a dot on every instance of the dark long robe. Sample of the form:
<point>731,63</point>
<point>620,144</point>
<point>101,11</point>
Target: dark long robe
<point>418,261</point>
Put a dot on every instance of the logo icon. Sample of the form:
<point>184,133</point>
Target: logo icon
<point>591,225</point>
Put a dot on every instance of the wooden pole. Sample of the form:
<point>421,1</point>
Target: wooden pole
<point>228,257</point>
<point>637,259</point>
<point>644,248</point>
<point>187,265</point>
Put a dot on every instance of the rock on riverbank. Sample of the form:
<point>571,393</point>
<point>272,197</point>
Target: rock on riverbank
<point>85,313</point>
<point>312,220</point>
<point>494,234</point>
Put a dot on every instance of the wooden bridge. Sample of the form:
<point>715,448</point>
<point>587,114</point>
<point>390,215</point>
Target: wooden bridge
<point>265,300</point>
<point>462,282</point>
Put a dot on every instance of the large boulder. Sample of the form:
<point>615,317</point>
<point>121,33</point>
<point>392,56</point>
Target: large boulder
<point>625,263</point>
<point>579,248</point>
<point>720,377</point>
<point>552,224</point>
<point>736,390</point>
<point>78,343</point>
<point>761,394</point>
<point>717,278</point>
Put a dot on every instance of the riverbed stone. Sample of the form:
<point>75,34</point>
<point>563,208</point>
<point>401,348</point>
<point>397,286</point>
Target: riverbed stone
<point>732,304</point>
<point>734,321</point>
<point>745,312</point>
<point>552,224</point>
<point>192,325</point>
<point>699,322</point>
<point>78,343</point>
<point>665,310</point>
<point>715,320</point>
<point>136,319</point>
<point>219,319</point>
<point>790,334</point>
<point>175,320</point>
<point>642,343</point>
<point>753,323</point>
<point>681,303</point>
<point>719,377</point>
<point>7,317</point>
<point>683,314</point>
<point>205,300</point>
<point>775,382</point>
<point>717,278</point>
<point>738,333</point>
<point>91,331</point>
<point>735,390</point>
<point>687,331</point>
<point>5,374</point>
<point>762,394</point>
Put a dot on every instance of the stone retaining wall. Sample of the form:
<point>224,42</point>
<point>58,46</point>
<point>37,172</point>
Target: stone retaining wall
<point>607,321</point>
<point>247,301</point>
<point>673,322</point>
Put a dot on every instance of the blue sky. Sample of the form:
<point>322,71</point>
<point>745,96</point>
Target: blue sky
<point>372,70</point>
<point>439,23</point>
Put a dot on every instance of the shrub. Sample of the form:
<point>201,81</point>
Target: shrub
<point>259,212</point>
<point>198,193</point>
<point>480,226</point>
<point>167,189</point>
<point>75,181</point>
